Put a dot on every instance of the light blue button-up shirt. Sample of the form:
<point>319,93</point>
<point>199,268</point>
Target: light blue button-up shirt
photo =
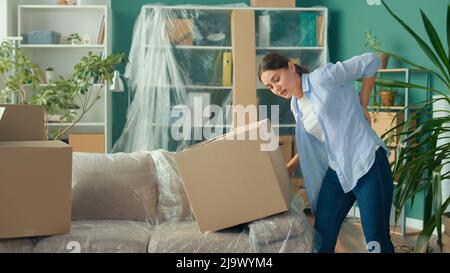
<point>350,142</point>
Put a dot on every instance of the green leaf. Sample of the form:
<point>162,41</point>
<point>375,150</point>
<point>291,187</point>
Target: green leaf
<point>425,48</point>
<point>448,32</point>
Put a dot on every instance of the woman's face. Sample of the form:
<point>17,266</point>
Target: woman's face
<point>283,82</point>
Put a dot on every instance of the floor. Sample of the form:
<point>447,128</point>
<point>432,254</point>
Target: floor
<point>351,239</point>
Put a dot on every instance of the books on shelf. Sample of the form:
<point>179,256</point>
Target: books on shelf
<point>101,33</point>
<point>227,65</point>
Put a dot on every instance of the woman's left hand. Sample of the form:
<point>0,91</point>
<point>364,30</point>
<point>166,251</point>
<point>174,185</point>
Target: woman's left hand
<point>367,115</point>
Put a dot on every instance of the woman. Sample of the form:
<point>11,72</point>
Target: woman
<point>341,157</point>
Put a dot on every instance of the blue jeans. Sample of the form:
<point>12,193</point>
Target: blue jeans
<point>373,192</point>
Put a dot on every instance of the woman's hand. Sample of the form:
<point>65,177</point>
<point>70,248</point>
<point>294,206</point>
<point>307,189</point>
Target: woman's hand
<point>292,165</point>
<point>291,169</point>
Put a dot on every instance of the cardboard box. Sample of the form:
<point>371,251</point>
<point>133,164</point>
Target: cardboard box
<point>320,30</point>
<point>244,60</point>
<point>87,143</point>
<point>180,31</point>
<point>273,3</point>
<point>35,188</point>
<point>230,182</point>
<point>384,121</point>
<point>21,122</point>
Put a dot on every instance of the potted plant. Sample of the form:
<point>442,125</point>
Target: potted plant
<point>418,166</point>
<point>17,73</point>
<point>69,99</point>
<point>373,43</point>
<point>387,96</point>
<point>50,74</point>
<point>74,39</point>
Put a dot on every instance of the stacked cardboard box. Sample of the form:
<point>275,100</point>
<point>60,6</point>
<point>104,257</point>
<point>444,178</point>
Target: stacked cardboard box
<point>35,176</point>
<point>87,143</point>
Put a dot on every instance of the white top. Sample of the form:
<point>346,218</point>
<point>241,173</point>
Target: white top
<point>311,123</point>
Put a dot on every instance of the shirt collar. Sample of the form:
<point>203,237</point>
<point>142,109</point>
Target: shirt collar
<point>305,82</point>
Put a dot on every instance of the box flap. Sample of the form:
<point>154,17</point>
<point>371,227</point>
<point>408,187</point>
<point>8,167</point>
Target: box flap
<point>22,122</point>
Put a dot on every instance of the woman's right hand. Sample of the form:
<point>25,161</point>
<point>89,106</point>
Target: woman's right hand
<point>292,165</point>
<point>291,169</point>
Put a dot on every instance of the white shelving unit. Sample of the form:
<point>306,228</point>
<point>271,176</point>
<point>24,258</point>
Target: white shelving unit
<point>86,21</point>
<point>406,73</point>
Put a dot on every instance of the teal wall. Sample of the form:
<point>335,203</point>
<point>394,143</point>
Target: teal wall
<point>348,21</point>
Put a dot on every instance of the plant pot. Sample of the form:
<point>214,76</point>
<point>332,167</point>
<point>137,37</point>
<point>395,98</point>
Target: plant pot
<point>384,59</point>
<point>387,97</point>
<point>446,233</point>
<point>50,76</point>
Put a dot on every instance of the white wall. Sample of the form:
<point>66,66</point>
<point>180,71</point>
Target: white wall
<point>443,105</point>
<point>3,18</point>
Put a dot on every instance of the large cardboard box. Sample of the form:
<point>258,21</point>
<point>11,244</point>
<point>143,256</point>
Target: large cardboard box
<point>273,3</point>
<point>87,143</point>
<point>21,122</point>
<point>35,188</point>
<point>230,182</point>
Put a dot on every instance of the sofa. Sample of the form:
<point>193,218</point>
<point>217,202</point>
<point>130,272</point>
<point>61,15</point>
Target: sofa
<point>135,202</point>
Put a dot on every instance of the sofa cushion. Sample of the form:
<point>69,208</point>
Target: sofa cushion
<point>184,237</point>
<point>102,236</point>
<point>173,204</point>
<point>114,186</point>
<point>19,245</point>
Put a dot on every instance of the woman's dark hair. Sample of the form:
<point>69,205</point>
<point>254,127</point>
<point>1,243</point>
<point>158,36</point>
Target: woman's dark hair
<point>274,61</point>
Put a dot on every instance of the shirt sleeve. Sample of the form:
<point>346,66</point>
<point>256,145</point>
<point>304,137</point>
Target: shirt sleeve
<point>341,73</point>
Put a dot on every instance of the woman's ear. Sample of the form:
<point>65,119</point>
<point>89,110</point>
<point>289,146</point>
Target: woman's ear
<point>291,66</point>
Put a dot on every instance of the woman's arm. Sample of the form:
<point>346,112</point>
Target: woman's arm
<point>366,89</point>
<point>292,165</point>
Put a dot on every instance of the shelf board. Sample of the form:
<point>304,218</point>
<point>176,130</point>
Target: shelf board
<point>191,47</point>
<point>229,126</point>
<point>204,7</point>
<point>400,70</point>
<point>230,48</point>
<point>64,7</point>
<point>215,87</point>
<point>61,46</point>
<point>387,107</point>
<point>207,87</point>
<point>46,84</point>
<point>290,48</point>
<point>79,124</point>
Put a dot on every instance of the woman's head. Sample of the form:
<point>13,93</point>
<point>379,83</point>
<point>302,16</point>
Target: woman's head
<point>280,75</point>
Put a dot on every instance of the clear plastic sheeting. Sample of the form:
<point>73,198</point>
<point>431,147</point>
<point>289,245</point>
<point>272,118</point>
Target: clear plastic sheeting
<point>173,204</point>
<point>183,53</point>
<point>18,245</point>
<point>285,232</point>
<point>101,236</point>
<point>114,186</point>
<point>288,232</point>
<point>175,56</point>
<point>184,237</point>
